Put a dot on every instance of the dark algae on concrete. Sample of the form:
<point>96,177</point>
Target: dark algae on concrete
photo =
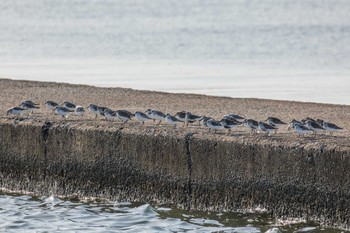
<point>184,169</point>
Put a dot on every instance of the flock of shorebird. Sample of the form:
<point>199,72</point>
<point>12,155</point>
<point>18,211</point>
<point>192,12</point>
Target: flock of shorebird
<point>229,122</point>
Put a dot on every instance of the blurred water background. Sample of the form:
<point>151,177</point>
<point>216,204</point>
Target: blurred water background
<point>289,49</point>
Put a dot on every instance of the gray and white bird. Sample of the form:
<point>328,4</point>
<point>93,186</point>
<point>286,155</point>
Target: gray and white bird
<point>215,125</point>
<point>29,102</point>
<point>314,126</point>
<point>70,106</point>
<point>15,111</point>
<point>229,124</point>
<point>266,128</point>
<point>79,111</point>
<point>62,111</point>
<point>142,117</point>
<point>181,116</point>
<point>330,127</point>
<point>51,105</point>
<point>28,106</point>
<point>320,122</point>
<point>291,124</point>
<point>93,108</point>
<point>274,121</point>
<point>235,117</point>
<point>110,115</point>
<point>251,124</point>
<point>189,118</point>
<point>123,115</point>
<point>300,129</point>
<point>171,120</point>
<point>155,115</point>
<point>102,111</point>
<point>204,120</point>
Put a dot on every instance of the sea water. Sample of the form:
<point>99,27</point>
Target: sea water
<point>276,49</point>
<point>25,213</point>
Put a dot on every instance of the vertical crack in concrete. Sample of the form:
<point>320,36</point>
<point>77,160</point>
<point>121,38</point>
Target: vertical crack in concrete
<point>45,133</point>
<point>188,197</point>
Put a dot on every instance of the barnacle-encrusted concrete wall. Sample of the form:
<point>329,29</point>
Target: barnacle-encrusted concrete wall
<point>188,171</point>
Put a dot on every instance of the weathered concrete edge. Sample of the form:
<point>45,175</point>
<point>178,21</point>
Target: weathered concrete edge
<point>189,172</point>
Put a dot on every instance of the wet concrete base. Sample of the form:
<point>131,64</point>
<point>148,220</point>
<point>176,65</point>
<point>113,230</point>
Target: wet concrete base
<point>187,171</point>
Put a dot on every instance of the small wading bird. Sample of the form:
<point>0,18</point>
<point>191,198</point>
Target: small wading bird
<point>70,106</point>
<point>229,124</point>
<point>251,124</point>
<point>15,111</point>
<point>123,115</point>
<point>155,115</point>
<point>62,111</point>
<point>51,105</point>
<point>94,109</point>
<point>215,125</point>
<point>28,107</point>
<point>313,126</point>
<point>266,128</point>
<point>275,122</point>
<point>141,117</point>
<point>171,120</point>
<point>300,129</point>
<point>79,111</point>
<point>331,128</point>
<point>189,118</point>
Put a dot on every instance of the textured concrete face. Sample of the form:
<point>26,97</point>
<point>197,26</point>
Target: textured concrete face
<point>187,171</point>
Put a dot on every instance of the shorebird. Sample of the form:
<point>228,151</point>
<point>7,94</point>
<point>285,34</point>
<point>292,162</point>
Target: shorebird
<point>15,111</point>
<point>291,124</point>
<point>275,122</point>
<point>102,110</point>
<point>181,116</point>
<point>266,128</point>
<point>142,117</point>
<point>320,122</point>
<point>110,115</point>
<point>51,105</point>
<point>93,108</point>
<point>300,129</point>
<point>62,111</point>
<point>303,121</point>
<point>314,126</point>
<point>204,120</point>
<point>28,107</point>
<point>215,125</point>
<point>70,106</point>
<point>251,124</point>
<point>331,127</point>
<point>29,102</point>
<point>229,124</point>
<point>171,120</point>
<point>235,117</point>
<point>189,118</point>
<point>79,111</point>
<point>123,115</point>
<point>155,115</point>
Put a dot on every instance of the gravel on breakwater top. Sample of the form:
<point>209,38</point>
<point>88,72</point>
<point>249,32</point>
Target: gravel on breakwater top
<point>13,92</point>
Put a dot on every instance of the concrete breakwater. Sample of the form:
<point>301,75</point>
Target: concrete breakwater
<point>182,169</point>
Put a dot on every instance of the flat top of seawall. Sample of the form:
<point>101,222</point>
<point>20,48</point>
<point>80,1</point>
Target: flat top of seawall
<point>14,92</point>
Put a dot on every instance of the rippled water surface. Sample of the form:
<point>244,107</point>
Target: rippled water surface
<point>24,213</point>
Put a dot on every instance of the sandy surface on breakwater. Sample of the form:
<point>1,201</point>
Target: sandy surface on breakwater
<point>13,92</point>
